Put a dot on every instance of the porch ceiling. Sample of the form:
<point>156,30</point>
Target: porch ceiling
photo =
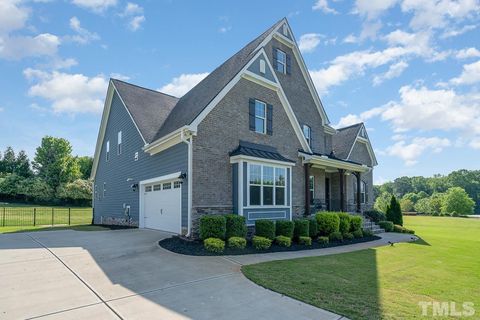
<point>330,164</point>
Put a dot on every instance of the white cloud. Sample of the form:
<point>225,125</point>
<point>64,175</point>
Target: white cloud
<point>470,74</point>
<point>68,93</point>
<point>323,6</point>
<point>136,22</point>
<point>475,143</point>
<point>351,119</point>
<point>350,39</point>
<point>97,6</point>
<point>371,9</point>
<point>13,16</point>
<point>18,47</point>
<point>370,30</point>
<point>132,9</point>
<point>182,84</point>
<point>456,32</point>
<point>394,71</point>
<point>308,42</point>
<point>224,29</point>
<point>410,152</point>
<point>83,36</point>
<point>467,53</point>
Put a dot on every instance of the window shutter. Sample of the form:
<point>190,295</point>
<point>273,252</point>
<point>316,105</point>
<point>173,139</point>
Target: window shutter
<point>275,58</point>
<point>251,114</point>
<point>289,63</point>
<point>269,119</point>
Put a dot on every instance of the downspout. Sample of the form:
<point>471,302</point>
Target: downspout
<point>189,142</point>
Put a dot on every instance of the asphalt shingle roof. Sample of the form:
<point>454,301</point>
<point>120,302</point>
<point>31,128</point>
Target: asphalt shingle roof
<point>344,139</point>
<point>258,151</point>
<point>149,108</point>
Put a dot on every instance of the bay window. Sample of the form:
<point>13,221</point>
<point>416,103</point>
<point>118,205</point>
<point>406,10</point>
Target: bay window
<point>267,185</point>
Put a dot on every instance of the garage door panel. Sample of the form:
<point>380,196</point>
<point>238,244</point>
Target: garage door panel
<point>162,206</point>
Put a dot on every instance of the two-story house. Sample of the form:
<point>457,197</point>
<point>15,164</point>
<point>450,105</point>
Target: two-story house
<point>252,138</point>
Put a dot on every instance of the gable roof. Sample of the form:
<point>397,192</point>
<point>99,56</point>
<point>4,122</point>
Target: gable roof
<point>194,101</point>
<point>148,108</point>
<point>344,139</point>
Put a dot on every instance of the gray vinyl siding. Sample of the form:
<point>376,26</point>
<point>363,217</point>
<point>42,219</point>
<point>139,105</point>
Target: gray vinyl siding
<point>255,68</point>
<point>121,167</point>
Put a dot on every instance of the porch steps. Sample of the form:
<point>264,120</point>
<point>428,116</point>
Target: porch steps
<point>372,226</point>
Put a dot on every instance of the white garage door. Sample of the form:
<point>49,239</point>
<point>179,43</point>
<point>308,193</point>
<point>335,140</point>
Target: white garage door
<point>162,206</point>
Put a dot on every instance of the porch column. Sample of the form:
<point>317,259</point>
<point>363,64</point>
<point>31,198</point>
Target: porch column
<point>307,188</point>
<point>358,175</point>
<point>341,173</point>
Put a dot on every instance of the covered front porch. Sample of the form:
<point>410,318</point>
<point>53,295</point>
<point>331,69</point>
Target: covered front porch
<point>332,184</point>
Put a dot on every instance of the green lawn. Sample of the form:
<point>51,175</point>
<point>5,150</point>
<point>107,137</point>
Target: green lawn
<point>387,282</point>
<point>29,215</point>
<point>86,227</point>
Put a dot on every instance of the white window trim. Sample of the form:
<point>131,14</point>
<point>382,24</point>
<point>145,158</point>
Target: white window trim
<point>107,153</point>
<point>280,62</point>
<point>363,192</point>
<point>119,143</point>
<point>309,138</point>
<point>264,118</point>
<point>262,185</point>
<point>262,66</point>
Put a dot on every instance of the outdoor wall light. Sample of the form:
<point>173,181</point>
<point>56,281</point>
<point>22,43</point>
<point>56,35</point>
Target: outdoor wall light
<point>183,176</point>
<point>134,187</point>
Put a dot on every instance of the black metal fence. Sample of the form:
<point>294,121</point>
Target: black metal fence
<point>44,216</point>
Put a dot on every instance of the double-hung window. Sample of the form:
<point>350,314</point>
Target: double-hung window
<point>281,61</point>
<point>107,152</point>
<point>362,192</point>
<point>119,143</point>
<point>260,116</point>
<point>267,185</point>
<point>311,184</point>
<point>307,132</point>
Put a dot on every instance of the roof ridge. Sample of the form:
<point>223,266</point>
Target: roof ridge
<point>350,126</point>
<point>152,90</point>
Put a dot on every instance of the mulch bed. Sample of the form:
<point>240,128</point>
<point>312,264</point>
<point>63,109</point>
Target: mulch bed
<point>195,248</point>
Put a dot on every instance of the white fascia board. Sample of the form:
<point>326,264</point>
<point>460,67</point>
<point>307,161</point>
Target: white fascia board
<point>368,144</point>
<point>328,162</point>
<point>260,80</point>
<point>328,129</point>
<point>167,141</point>
<point>250,159</point>
<point>167,177</point>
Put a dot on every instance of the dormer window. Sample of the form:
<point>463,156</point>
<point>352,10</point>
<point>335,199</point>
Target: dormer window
<point>307,132</point>
<point>107,152</point>
<point>119,143</point>
<point>281,61</point>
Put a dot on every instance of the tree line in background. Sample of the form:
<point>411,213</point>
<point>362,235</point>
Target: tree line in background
<point>457,193</point>
<point>54,176</point>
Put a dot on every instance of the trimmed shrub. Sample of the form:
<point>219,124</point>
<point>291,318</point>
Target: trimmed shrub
<point>212,226</point>
<point>301,228</point>
<point>358,234</point>
<point>344,226</point>
<point>328,222</point>
<point>283,241</point>
<point>394,212</point>
<point>237,242</point>
<point>375,215</point>
<point>409,231</point>
<point>386,225</point>
<point>284,228</point>
<point>214,244</point>
<point>261,243</point>
<point>323,240</point>
<point>265,228</point>
<point>236,226</point>
<point>356,223</point>
<point>367,233</point>
<point>398,228</point>
<point>335,236</point>
<point>307,241</point>
<point>348,236</point>
<point>313,228</point>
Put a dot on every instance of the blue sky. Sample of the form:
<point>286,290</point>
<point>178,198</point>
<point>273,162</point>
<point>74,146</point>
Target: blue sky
<point>409,69</point>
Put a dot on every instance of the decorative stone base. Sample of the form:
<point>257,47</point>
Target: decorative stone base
<point>113,221</point>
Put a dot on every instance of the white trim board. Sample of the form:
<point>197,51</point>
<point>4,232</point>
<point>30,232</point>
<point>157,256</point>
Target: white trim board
<point>368,144</point>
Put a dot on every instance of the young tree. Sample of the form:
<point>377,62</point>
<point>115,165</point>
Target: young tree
<point>85,163</point>
<point>9,160</point>
<point>457,202</point>
<point>38,190</point>
<point>406,205</point>
<point>423,206</point>
<point>382,201</point>
<point>54,162</point>
<point>22,165</point>
<point>77,190</point>
<point>394,212</point>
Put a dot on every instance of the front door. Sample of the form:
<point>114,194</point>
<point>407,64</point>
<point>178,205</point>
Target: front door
<point>327,193</point>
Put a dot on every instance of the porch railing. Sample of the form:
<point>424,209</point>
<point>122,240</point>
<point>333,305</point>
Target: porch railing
<point>335,205</point>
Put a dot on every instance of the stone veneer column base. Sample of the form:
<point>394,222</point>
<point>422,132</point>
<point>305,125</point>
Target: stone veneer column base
<point>113,221</point>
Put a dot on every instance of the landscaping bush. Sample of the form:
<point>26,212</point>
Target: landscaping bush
<point>344,226</point>
<point>283,241</point>
<point>386,225</point>
<point>367,233</point>
<point>398,228</point>
<point>323,240</point>
<point>328,222</point>
<point>214,244</point>
<point>261,243</point>
<point>313,228</point>
<point>284,228</point>
<point>394,212</point>
<point>409,231</point>
<point>236,226</point>
<point>307,241</point>
<point>265,228</point>
<point>212,226</point>
<point>348,236</point>
<point>237,242</point>
<point>301,228</point>
<point>358,234</point>
<point>356,223</point>
<point>335,236</point>
<point>375,215</point>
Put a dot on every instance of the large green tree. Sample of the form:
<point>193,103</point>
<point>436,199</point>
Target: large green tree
<point>54,162</point>
<point>382,202</point>
<point>85,164</point>
<point>8,161</point>
<point>22,165</point>
<point>457,202</point>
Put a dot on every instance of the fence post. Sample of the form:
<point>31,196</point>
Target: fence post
<point>34,216</point>
<point>52,216</point>
<point>68,216</point>
<point>4,209</point>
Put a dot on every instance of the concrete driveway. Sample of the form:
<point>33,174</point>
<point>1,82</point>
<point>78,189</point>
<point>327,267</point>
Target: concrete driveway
<point>123,274</point>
